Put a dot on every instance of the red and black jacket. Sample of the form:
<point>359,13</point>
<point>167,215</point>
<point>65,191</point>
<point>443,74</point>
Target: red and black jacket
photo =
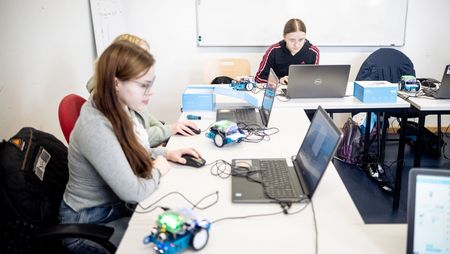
<point>279,58</point>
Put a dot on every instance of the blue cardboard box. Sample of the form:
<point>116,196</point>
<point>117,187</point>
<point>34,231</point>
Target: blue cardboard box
<point>375,91</point>
<point>199,98</point>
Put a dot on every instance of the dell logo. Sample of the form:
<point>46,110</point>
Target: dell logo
<point>318,82</point>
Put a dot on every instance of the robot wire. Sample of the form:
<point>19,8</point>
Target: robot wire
<point>153,206</point>
<point>255,134</point>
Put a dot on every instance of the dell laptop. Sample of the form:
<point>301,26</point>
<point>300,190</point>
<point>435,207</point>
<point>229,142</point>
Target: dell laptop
<point>252,116</point>
<point>428,211</point>
<point>444,89</point>
<point>317,81</point>
<point>293,179</point>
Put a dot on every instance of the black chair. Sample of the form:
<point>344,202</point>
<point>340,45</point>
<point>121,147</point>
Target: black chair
<point>385,64</point>
<point>390,65</point>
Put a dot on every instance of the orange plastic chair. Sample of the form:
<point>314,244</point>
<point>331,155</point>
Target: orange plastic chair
<point>230,67</point>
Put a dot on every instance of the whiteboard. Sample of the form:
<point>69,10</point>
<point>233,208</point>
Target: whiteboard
<point>328,22</point>
<point>107,21</point>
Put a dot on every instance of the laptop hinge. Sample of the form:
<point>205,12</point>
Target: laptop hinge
<point>298,167</point>
<point>263,117</point>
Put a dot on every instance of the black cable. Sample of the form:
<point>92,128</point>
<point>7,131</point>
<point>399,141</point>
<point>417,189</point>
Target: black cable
<point>207,128</point>
<point>152,206</point>
<point>258,88</point>
<point>259,215</point>
<point>315,226</point>
<point>246,216</point>
<point>255,134</point>
<point>224,169</point>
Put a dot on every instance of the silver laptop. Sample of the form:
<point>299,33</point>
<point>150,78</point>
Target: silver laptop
<point>317,81</point>
<point>444,89</point>
<point>288,180</point>
<point>252,116</point>
<point>428,211</point>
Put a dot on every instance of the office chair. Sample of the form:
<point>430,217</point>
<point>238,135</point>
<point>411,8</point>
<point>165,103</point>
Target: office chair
<point>389,64</point>
<point>68,112</point>
<point>230,67</point>
<point>385,64</point>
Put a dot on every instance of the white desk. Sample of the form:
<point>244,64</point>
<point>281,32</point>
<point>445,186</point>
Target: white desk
<point>339,104</point>
<point>427,106</point>
<point>340,227</point>
<point>350,104</point>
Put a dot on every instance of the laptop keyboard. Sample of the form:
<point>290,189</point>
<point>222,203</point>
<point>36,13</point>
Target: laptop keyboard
<point>275,176</point>
<point>245,115</point>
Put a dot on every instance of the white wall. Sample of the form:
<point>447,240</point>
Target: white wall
<point>47,50</point>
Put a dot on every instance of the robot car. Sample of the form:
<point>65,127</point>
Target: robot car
<point>176,231</point>
<point>245,84</point>
<point>408,83</point>
<point>225,132</point>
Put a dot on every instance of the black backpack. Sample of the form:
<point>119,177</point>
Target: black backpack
<point>221,80</point>
<point>33,178</point>
<point>430,139</point>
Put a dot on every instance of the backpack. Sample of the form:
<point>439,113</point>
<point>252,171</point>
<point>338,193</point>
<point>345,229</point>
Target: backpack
<point>430,139</point>
<point>351,148</point>
<point>221,80</point>
<point>33,178</point>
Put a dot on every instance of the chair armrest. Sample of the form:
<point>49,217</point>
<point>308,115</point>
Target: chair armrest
<point>97,233</point>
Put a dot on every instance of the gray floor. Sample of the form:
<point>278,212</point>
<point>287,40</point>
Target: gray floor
<point>375,205</point>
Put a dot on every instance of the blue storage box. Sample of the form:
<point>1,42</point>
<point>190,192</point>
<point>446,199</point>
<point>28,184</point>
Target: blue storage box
<point>199,98</point>
<point>375,91</point>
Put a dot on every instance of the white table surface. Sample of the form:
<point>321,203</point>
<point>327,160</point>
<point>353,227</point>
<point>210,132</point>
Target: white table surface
<point>340,227</point>
<point>425,103</point>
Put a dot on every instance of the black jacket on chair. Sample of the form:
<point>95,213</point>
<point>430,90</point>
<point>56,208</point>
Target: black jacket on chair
<point>386,64</point>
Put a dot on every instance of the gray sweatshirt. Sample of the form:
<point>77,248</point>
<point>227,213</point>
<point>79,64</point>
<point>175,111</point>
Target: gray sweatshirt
<point>99,172</point>
<point>157,132</point>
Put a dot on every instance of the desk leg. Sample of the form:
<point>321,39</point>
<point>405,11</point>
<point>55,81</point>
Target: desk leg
<point>439,134</point>
<point>400,163</point>
<point>367,140</point>
<point>384,136</point>
<point>419,141</point>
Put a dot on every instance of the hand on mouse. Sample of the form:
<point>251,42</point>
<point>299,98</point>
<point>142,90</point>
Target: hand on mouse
<point>182,127</point>
<point>175,155</point>
<point>162,165</point>
<point>284,80</point>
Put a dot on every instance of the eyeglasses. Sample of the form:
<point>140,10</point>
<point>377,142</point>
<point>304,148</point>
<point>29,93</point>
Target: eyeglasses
<point>145,85</point>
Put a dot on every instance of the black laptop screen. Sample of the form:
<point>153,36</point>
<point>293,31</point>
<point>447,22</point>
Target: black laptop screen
<point>317,149</point>
<point>269,94</point>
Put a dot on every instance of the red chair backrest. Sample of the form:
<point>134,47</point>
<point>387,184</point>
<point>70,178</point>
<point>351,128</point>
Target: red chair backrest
<point>68,112</point>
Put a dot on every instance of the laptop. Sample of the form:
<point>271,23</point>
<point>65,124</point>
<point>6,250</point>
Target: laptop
<point>293,179</point>
<point>444,89</point>
<point>252,116</point>
<point>317,81</point>
<point>428,211</point>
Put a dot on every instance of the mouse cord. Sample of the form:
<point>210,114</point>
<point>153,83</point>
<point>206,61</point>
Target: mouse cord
<point>260,215</point>
<point>153,206</point>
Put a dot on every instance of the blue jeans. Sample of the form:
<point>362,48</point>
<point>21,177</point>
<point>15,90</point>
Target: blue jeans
<point>113,215</point>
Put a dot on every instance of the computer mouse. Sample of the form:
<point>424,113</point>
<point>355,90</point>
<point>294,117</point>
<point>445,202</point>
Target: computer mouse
<point>193,161</point>
<point>196,131</point>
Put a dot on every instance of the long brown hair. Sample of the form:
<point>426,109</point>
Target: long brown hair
<point>125,61</point>
<point>294,25</point>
